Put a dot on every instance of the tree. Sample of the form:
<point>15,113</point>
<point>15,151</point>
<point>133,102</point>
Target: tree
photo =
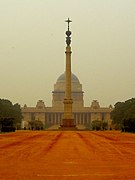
<point>123,111</point>
<point>7,125</point>
<point>10,111</point>
<point>129,125</point>
<point>96,125</point>
<point>36,125</point>
<point>104,125</point>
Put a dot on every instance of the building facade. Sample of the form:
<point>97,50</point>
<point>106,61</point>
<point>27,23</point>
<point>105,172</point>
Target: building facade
<point>53,115</point>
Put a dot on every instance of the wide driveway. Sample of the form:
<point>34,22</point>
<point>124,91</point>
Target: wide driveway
<point>67,155</point>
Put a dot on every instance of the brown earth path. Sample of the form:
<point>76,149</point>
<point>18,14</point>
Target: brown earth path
<point>67,155</point>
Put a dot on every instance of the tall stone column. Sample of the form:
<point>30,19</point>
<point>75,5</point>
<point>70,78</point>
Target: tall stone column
<point>68,118</point>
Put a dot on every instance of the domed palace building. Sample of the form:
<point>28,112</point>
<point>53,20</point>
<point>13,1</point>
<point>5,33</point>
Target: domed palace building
<point>50,116</point>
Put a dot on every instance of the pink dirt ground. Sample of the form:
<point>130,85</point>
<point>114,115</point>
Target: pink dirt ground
<point>67,155</point>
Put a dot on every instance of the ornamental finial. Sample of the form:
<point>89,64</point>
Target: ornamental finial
<point>68,33</point>
<point>68,21</point>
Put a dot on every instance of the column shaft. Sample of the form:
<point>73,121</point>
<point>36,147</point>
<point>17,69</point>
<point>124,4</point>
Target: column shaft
<point>68,73</point>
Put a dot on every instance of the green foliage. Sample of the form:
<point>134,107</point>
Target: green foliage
<point>36,125</point>
<point>104,125</point>
<point>122,111</point>
<point>96,125</point>
<point>7,125</point>
<point>10,111</point>
<point>129,125</point>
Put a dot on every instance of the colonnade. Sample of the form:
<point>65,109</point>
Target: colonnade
<point>56,118</point>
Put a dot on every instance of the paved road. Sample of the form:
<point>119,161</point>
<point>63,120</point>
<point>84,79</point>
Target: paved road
<point>67,155</point>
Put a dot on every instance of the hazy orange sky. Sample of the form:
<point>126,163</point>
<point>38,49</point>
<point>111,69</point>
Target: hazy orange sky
<point>32,48</point>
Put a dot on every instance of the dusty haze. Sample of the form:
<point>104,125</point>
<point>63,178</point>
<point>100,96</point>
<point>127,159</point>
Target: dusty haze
<point>32,46</point>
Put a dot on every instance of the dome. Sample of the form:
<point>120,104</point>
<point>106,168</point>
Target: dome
<point>62,77</point>
<point>59,91</point>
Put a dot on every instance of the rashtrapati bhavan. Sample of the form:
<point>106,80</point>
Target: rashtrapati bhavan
<point>53,115</point>
<point>50,116</point>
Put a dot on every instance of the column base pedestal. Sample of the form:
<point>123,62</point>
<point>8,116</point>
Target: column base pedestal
<point>68,128</point>
<point>68,125</point>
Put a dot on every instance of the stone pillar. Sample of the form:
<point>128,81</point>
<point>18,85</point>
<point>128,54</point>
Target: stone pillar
<point>68,117</point>
<point>68,73</point>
